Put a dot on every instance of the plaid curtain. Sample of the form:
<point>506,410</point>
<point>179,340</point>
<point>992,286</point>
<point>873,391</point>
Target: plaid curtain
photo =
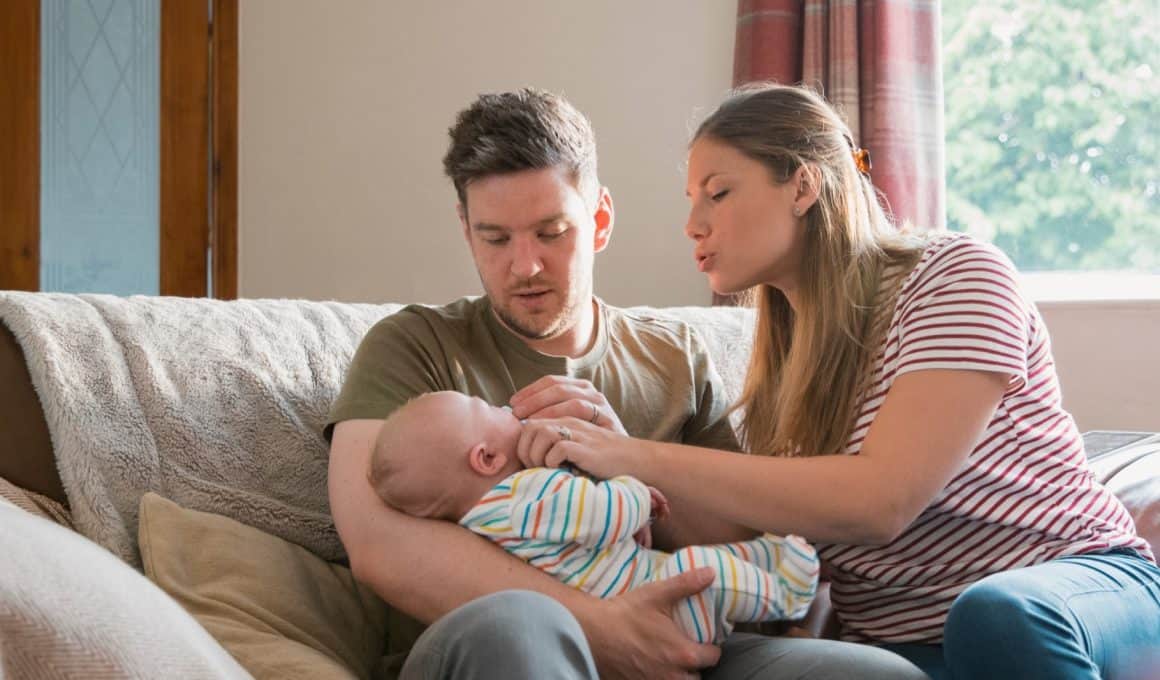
<point>878,62</point>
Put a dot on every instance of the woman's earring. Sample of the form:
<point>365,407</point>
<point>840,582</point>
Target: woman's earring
<point>797,212</point>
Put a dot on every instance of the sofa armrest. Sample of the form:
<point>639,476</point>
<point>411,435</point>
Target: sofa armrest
<point>65,602</point>
<point>26,454</point>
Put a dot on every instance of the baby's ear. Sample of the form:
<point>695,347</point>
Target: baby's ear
<point>486,461</point>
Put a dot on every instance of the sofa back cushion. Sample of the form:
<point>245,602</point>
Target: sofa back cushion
<point>219,404</point>
<point>1133,474</point>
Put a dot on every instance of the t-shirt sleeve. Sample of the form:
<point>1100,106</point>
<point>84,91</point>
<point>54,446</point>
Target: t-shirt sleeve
<point>965,311</point>
<point>393,364</point>
<point>709,426</point>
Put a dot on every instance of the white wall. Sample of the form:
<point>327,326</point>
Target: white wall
<point>344,108</point>
<point>1108,357</point>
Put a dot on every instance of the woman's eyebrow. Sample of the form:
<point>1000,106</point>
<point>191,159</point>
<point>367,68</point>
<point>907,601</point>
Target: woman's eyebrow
<point>704,181</point>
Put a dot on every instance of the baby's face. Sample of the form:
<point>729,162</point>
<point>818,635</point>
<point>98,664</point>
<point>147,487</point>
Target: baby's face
<point>494,424</point>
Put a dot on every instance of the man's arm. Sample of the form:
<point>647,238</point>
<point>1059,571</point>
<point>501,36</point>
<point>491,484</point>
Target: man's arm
<point>391,553</point>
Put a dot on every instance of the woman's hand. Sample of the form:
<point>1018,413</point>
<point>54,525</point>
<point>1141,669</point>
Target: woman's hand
<point>551,442</point>
<point>557,396</point>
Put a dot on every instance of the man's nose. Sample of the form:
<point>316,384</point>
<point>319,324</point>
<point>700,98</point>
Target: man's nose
<point>526,261</point>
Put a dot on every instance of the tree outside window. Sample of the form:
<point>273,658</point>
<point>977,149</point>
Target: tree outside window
<point>1053,130</point>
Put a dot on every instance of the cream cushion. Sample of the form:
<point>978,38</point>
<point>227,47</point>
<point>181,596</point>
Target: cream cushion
<point>279,609</point>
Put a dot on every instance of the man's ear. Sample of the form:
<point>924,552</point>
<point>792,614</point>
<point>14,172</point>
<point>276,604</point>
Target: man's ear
<point>485,461</point>
<point>605,217</point>
<point>807,182</point>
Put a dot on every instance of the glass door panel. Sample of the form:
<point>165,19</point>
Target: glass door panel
<point>100,146</point>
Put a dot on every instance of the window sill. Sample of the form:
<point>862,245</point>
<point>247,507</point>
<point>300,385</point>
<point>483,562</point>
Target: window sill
<point>1090,287</point>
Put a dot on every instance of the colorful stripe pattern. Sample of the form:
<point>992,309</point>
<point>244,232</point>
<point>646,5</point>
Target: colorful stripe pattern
<point>764,579</point>
<point>581,531</point>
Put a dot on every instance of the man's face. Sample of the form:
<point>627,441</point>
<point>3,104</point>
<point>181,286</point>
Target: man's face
<point>533,238</point>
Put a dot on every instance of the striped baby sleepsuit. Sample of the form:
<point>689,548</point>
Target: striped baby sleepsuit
<point>581,531</point>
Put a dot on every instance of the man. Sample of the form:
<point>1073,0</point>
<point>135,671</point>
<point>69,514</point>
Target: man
<point>534,216</point>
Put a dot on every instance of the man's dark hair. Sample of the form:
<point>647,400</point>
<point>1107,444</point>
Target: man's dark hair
<point>528,129</point>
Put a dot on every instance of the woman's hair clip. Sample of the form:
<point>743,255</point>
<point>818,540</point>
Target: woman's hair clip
<point>862,161</point>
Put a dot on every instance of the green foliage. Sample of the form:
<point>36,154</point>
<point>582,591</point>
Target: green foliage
<point>1053,130</point>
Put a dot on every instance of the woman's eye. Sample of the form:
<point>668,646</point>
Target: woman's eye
<point>551,236</point>
<point>719,195</point>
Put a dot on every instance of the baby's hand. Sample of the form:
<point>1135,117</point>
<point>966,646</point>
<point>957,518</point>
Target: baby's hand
<point>643,537</point>
<point>659,511</point>
<point>660,505</point>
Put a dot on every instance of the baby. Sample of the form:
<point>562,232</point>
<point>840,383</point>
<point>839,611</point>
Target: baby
<point>445,455</point>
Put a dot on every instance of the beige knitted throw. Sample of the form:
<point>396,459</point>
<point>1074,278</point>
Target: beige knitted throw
<point>216,405</point>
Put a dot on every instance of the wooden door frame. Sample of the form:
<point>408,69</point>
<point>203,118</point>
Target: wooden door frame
<point>185,189</point>
<point>224,125</point>
<point>20,176</point>
<point>198,202</point>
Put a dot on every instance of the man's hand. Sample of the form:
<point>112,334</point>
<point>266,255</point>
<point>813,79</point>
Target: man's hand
<point>557,396</point>
<point>634,636</point>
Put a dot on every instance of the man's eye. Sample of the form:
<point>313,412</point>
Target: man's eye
<point>719,195</point>
<point>552,235</point>
<point>495,241</point>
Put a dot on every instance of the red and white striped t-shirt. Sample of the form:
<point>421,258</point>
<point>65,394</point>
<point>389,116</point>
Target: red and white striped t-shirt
<point>1025,494</point>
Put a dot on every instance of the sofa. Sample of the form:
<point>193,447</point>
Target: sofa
<point>163,509</point>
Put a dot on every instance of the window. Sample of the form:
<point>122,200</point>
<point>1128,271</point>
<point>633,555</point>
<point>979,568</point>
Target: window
<point>1053,133</point>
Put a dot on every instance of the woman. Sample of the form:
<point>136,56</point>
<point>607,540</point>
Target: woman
<point>906,409</point>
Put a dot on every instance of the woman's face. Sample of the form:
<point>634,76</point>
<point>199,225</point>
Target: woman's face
<point>742,223</point>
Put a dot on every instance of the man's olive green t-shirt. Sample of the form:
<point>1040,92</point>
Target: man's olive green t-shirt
<point>655,373</point>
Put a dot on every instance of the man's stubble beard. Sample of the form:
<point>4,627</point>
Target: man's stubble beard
<point>567,317</point>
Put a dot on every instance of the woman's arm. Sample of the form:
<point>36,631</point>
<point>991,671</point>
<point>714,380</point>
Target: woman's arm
<point>690,523</point>
<point>553,398</point>
<point>928,424</point>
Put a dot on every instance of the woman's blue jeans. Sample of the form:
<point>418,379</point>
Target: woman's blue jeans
<point>1084,616</point>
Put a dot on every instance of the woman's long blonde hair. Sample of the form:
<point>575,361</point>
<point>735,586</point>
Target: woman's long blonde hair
<point>810,367</point>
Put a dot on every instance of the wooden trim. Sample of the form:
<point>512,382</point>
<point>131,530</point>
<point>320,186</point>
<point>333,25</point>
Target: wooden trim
<point>20,145</point>
<point>184,210</point>
<point>225,149</point>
